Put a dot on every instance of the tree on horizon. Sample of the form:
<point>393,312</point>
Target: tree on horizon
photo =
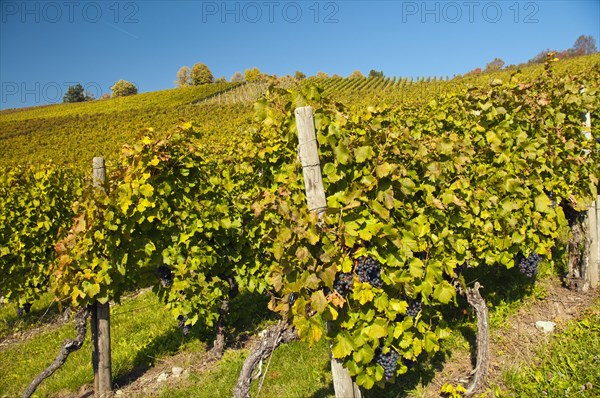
<point>184,77</point>
<point>374,73</point>
<point>252,75</point>
<point>201,74</point>
<point>585,45</point>
<point>76,93</point>
<point>123,88</point>
<point>237,77</point>
<point>495,65</point>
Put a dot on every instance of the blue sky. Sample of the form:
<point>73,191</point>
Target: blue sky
<point>47,45</point>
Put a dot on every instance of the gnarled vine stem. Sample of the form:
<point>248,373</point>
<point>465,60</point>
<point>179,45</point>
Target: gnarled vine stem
<point>273,337</point>
<point>67,347</point>
<point>483,351</point>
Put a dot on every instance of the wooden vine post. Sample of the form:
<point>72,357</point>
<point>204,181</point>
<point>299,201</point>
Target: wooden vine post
<point>594,231</point>
<point>100,318</point>
<point>583,255</point>
<point>593,227</point>
<point>343,385</point>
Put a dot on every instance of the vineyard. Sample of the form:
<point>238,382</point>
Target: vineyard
<point>101,127</point>
<point>432,190</point>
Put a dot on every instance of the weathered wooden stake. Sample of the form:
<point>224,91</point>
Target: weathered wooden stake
<point>593,227</point>
<point>590,257</point>
<point>100,319</point>
<point>315,195</point>
<point>94,337</point>
<point>594,231</point>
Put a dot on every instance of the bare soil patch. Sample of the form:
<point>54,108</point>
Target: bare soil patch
<point>518,341</point>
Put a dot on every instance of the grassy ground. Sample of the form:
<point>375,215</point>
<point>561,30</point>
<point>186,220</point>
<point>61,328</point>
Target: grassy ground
<point>42,311</point>
<point>568,366</point>
<point>140,332</point>
<point>146,343</point>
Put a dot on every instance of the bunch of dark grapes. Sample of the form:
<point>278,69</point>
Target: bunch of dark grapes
<point>165,276</point>
<point>529,265</point>
<point>25,308</point>
<point>368,270</point>
<point>413,308</point>
<point>343,283</point>
<point>388,361</point>
<point>185,328</point>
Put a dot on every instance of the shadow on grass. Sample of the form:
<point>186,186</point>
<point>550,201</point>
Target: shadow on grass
<point>324,392</point>
<point>166,344</point>
<point>247,315</point>
<point>248,312</point>
<point>44,310</point>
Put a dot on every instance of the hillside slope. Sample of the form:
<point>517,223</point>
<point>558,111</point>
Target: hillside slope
<point>71,134</point>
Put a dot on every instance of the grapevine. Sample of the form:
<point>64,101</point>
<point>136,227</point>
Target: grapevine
<point>35,208</point>
<point>417,192</point>
<point>424,191</point>
<point>171,217</point>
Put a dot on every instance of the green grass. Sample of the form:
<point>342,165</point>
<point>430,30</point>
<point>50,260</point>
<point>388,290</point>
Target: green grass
<point>569,366</point>
<point>141,331</point>
<point>295,371</point>
<point>144,333</point>
<point>42,310</point>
